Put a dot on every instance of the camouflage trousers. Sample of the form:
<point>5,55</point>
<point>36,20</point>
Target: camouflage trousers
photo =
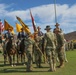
<point>60,54</point>
<point>51,56</point>
<point>38,58</point>
<point>29,59</point>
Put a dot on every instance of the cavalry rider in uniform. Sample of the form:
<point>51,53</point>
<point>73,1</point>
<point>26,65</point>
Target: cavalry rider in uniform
<point>21,34</point>
<point>20,37</point>
<point>8,35</point>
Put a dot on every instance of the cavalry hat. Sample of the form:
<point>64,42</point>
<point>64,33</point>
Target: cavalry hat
<point>22,29</point>
<point>47,27</point>
<point>38,27</point>
<point>57,24</point>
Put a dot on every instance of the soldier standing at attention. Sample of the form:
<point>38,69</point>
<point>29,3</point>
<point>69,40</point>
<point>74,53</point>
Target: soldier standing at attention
<point>29,43</point>
<point>57,27</point>
<point>49,46</point>
<point>60,47</point>
<point>38,50</point>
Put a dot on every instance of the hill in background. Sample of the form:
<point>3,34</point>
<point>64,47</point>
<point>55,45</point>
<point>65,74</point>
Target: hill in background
<point>70,36</point>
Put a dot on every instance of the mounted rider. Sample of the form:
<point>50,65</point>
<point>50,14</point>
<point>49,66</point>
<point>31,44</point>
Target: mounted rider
<point>21,35</point>
<point>8,35</point>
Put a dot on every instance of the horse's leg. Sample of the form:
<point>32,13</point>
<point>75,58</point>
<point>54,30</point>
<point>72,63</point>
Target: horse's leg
<point>17,58</point>
<point>14,59</point>
<point>10,59</point>
<point>5,59</point>
<point>23,59</point>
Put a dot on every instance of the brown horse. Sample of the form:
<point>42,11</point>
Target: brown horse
<point>11,51</point>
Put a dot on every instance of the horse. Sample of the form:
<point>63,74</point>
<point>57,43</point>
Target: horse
<point>21,51</point>
<point>11,51</point>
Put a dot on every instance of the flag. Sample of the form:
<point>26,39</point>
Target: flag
<point>33,22</point>
<point>12,32</point>
<point>1,26</point>
<point>27,30</point>
<point>7,26</point>
<point>18,27</point>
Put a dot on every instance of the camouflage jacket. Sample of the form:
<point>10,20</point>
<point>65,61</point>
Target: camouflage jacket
<point>38,42</point>
<point>60,39</point>
<point>49,40</point>
<point>29,43</point>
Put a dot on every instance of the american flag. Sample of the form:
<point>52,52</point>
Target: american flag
<point>1,26</point>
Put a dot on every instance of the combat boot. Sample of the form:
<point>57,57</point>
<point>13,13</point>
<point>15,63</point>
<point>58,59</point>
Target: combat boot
<point>54,67</point>
<point>59,65</point>
<point>62,64</point>
<point>51,68</point>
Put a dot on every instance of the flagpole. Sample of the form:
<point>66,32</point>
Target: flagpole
<point>55,11</point>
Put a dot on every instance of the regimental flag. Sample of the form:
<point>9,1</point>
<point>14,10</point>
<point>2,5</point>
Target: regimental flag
<point>12,32</point>
<point>1,26</point>
<point>33,22</point>
<point>26,28</point>
<point>18,27</point>
<point>7,26</point>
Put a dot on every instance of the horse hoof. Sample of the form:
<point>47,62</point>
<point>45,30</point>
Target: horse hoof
<point>12,65</point>
<point>23,64</point>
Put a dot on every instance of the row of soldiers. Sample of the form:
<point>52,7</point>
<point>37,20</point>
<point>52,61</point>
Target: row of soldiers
<point>70,45</point>
<point>51,42</point>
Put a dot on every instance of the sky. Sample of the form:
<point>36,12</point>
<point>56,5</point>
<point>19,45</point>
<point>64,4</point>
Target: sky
<point>43,12</point>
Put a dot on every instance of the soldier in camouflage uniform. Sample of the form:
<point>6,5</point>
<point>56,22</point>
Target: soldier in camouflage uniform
<point>29,43</point>
<point>38,50</point>
<point>60,47</point>
<point>49,46</point>
<point>56,28</point>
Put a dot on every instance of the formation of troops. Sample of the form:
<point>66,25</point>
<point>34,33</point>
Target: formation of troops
<point>50,46</point>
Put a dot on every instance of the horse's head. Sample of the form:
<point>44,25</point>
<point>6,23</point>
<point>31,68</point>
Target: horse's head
<point>11,46</point>
<point>12,42</point>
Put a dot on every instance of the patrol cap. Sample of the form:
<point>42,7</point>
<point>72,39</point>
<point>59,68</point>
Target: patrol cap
<point>47,27</point>
<point>57,24</point>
